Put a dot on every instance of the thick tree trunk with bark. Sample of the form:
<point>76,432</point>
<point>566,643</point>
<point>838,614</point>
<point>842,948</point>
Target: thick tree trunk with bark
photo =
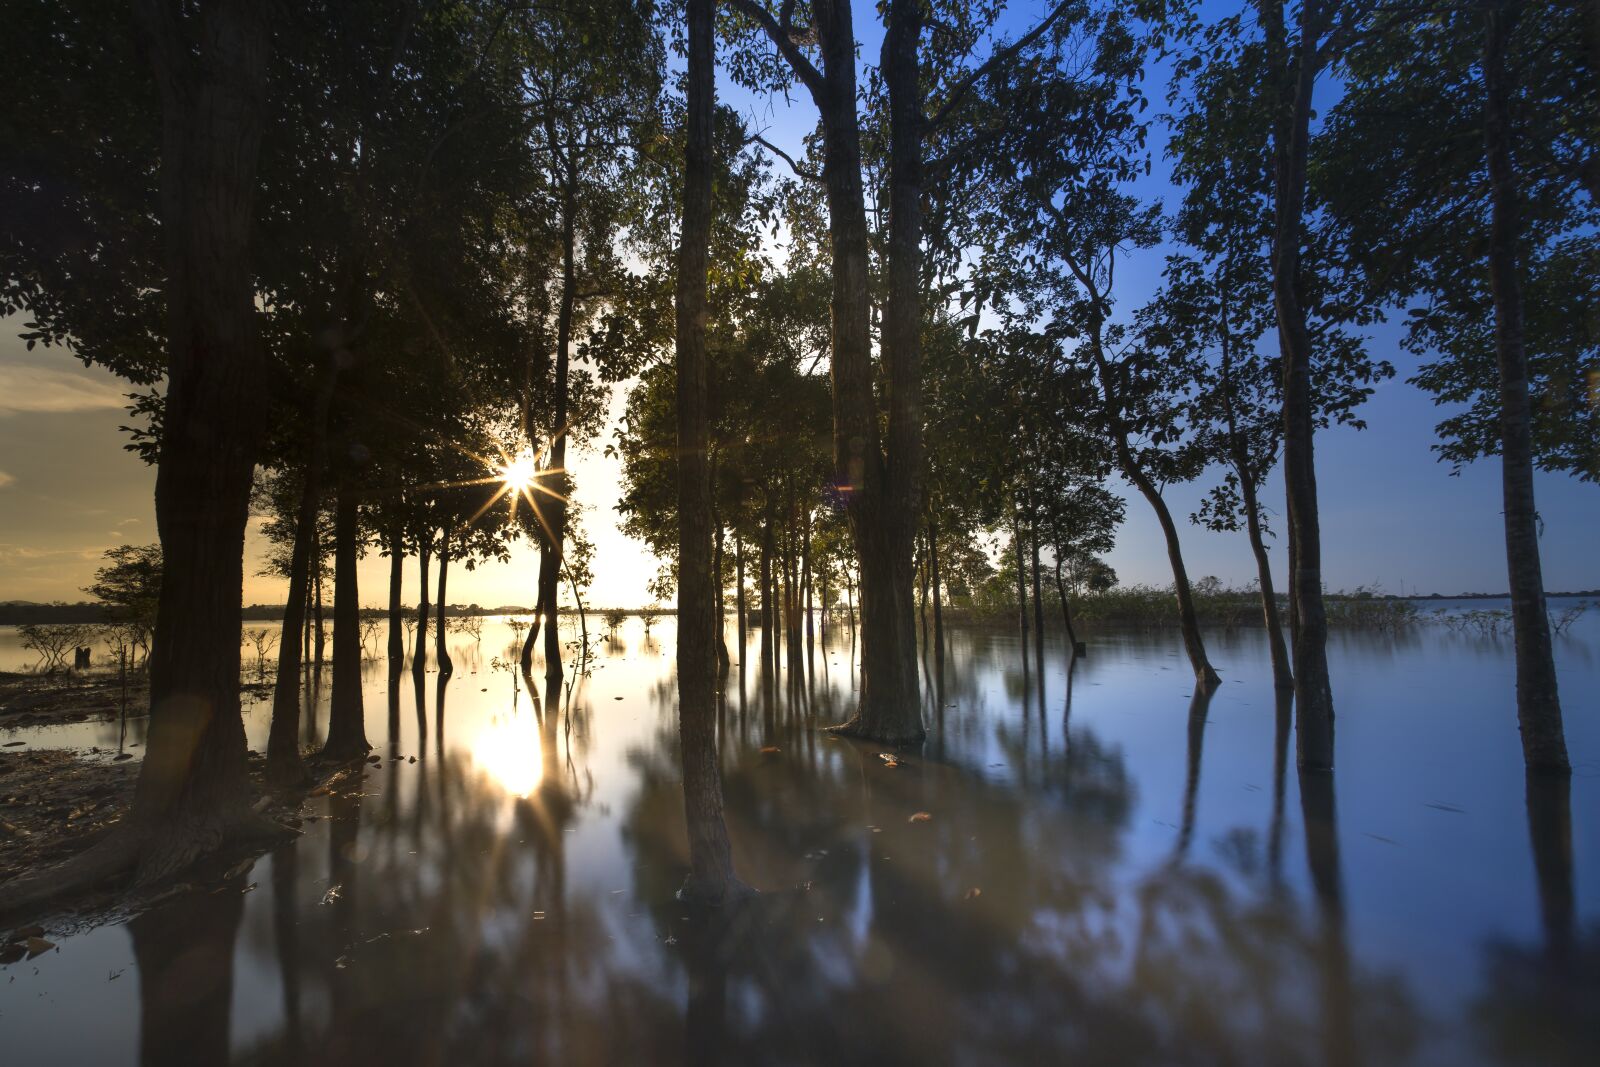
<point>711,876</point>
<point>192,792</point>
<point>885,485</point>
<point>1291,147</point>
<point>881,490</point>
<point>1544,745</point>
<point>347,733</point>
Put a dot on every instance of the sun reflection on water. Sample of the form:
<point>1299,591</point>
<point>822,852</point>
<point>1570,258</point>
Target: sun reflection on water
<point>510,751</point>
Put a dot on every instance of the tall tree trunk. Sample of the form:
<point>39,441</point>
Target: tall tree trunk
<point>1022,580</point>
<point>1066,607</point>
<point>441,651</point>
<point>711,876</point>
<point>720,632</point>
<point>1544,745</point>
<point>1291,147</point>
<point>550,577</point>
<point>738,566</point>
<point>347,734</point>
<point>1038,599</point>
<point>938,595</point>
<point>1282,674</point>
<point>284,765</point>
<point>1188,621</point>
<point>922,594</point>
<point>419,658</point>
<point>880,492</point>
<point>318,629</point>
<point>805,588</point>
<point>397,561</point>
<point>1239,453</point>
<point>539,611</point>
<point>192,791</point>
<point>769,650</point>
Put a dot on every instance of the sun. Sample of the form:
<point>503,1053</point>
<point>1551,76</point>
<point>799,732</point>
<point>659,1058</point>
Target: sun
<point>519,472</point>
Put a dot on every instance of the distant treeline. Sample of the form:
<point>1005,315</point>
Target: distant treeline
<point>22,612</point>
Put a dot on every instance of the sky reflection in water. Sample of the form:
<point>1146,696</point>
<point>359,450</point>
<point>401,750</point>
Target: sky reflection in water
<point>1110,871</point>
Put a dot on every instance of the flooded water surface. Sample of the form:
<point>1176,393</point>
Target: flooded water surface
<point>1085,863</point>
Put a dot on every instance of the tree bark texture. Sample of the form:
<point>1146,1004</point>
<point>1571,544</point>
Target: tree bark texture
<point>211,72</point>
<point>711,876</point>
<point>1291,147</point>
<point>1544,745</point>
<point>347,734</point>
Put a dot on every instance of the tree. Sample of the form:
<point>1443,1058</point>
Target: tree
<point>1480,126</point>
<point>130,586</point>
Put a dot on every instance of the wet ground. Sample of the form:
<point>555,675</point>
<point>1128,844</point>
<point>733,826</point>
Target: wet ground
<point>1085,865</point>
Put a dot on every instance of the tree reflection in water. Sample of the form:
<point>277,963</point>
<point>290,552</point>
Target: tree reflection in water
<point>1012,892</point>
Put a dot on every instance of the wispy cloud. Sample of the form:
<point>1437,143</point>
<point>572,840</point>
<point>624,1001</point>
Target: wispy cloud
<point>50,390</point>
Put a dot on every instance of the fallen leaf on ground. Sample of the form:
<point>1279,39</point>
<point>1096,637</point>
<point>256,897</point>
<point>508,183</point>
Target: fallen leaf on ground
<point>921,816</point>
<point>38,945</point>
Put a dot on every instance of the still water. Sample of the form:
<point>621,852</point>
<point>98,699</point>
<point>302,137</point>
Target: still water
<point>1081,865</point>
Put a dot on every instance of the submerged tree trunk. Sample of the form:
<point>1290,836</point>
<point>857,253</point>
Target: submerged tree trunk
<point>1282,674</point>
<point>539,611</point>
<point>1544,745</point>
<point>738,565</point>
<point>938,594</point>
<point>1291,146</point>
<point>720,638</point>
<point>550,577</point>
<point>441,652</point>
<point>1066,608</point>
<point>319,630</point>
<point>711,876</point>
<point>769,650</point>
<point>1205,675</point>
<point>885,484</point>
<point>285,768</point>
<point>397,559</point>
<point>880,487</point>
<point>1038,599</point>
<point>192,791</point>
<point>347,735</point>
<point>1022,577</point>
<point>419,658</point>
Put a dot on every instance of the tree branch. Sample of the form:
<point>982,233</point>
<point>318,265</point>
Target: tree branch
<point>782,34</point>
<point>996,58</point>
<point>800,172</point>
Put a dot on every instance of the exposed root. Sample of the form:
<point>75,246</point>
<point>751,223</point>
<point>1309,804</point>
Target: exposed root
<point>97,867</point>
<point>859,729</point>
